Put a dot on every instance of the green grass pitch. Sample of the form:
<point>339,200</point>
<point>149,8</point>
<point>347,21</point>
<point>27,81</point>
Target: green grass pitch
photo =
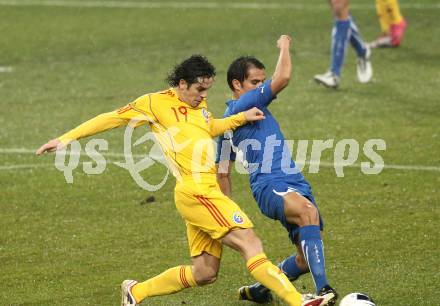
<point>73,244</point>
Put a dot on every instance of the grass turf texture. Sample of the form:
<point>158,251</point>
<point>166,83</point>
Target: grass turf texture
<point>64,244</point>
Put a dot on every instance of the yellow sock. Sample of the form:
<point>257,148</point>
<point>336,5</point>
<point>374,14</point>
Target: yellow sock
<point>170,281</point>
<point>272,277</point>
<point>394,11</point>
<point>384,17</point>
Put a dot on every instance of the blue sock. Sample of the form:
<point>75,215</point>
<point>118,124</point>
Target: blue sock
<point>313,249</point>
<point>340,36</point>
<point>290,268</point>
<point>355,39</point>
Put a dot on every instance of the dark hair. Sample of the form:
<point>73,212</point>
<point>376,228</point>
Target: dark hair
<point>239,68</point>
<point>190,69</point>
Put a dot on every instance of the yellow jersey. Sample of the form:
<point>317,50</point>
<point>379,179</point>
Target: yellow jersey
<point>184,132</point>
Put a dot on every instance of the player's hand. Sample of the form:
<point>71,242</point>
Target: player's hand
<point>253,114</point>
<point>284,41</point>
<point>50,146</point>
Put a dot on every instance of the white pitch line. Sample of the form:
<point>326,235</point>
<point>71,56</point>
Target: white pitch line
<point>23,166</point>
<point>27,151</point>
<point>6,69</point>
<point>199,5</point>
<point>385,166</point>
<point>109,154</point>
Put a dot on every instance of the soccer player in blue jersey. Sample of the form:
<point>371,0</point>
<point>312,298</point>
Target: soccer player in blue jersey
<point>345,30</point>
<point>279,188</point>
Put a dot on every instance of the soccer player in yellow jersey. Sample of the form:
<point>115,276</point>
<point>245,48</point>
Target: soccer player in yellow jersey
<point>392,24</point>
<point>184,127</point>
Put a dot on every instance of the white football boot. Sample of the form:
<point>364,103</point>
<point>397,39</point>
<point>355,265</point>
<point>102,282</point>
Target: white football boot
<point>328,79</point>
<point>326,299</point>
<point>364,67</point>
<point>127,297</point>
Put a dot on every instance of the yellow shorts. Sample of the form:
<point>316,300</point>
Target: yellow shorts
<point>209,215</point>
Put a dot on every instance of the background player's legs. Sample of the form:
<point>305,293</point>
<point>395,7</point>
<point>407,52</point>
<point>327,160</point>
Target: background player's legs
<point>345,30</point>
<point>340,37</point>
<point>398,23</point>
<point>355,39</point>
<point>384,17</point>
<point>250,247</point>
<point>340,34</point>
<point>393,11</point>
<point>363,52</point>
<point>392,24</point>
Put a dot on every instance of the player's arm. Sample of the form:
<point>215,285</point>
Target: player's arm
<point>283,69</point>
<point>224,177</point>
<point>219,126</point>
<point>263,95</point>
<point>224,160</point>
<point>98,124</point>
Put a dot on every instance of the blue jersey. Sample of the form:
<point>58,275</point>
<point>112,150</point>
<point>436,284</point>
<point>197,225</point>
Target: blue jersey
<point>261,144</point>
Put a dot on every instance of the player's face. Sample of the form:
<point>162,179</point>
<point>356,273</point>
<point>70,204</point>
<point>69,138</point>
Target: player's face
<point>255,78</point>
<point>195,93</point>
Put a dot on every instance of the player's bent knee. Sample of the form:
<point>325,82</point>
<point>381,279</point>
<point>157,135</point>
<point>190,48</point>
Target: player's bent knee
<point>312,214</point>
<point>205,280</point>
<point>302,213</point>
<point>205,276</point>
<point>205,268</point>
<point>309,215</point>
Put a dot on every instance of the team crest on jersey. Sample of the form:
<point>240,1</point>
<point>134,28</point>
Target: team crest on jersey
<point>205,114</point>
<point>237,218</point>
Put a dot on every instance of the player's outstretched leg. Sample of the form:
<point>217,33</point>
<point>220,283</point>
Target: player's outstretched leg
<point>293,267</point>
<point>170,281</point>
<point>307,237</point>
<point>260,294</point>
<point>250,247</point>
<point>313,250</point>
<point>127,297</point>
<point>274,279</point>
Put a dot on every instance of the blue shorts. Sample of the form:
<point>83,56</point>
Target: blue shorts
<point>271,202</point>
